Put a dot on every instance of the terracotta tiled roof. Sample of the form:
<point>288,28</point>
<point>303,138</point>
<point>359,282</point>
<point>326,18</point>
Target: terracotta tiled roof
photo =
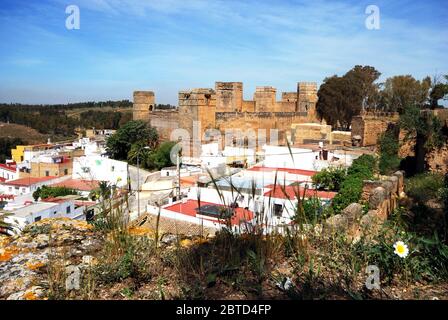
<point>77,184</point>
<point>293,171</point>
<point>189,209</point>
<point>290,192</point>
<point>26,182</point>
<point>11,168</point>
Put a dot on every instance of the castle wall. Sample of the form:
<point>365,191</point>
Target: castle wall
<point>264,98</point>
<point>259,120</point>
<point>285,106</point>
<point>165,121</point>
<point>229,96</point>
<point>370,125</point>
<point>248,106</point>
<point>307,98</point>
<point>224,108</point>
<point>144,102</point>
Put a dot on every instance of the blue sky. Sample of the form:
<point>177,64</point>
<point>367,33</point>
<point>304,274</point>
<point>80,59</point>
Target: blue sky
<point>171,45</point>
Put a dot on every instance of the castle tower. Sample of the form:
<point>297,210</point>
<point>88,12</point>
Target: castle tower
<point>144,103</point>
<point>197,107</point>
<point>307,98</point>
<point>265,98</point>
<point>229,96</point>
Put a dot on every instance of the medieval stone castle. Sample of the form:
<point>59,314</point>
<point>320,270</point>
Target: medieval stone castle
<point>224,108</point>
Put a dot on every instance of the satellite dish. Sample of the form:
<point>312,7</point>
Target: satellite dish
<point>176,150</point>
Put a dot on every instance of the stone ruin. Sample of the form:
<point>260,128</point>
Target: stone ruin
<point>382,199</point>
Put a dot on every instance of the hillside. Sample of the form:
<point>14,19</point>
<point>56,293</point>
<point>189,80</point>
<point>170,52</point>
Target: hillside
<point>30,135</point>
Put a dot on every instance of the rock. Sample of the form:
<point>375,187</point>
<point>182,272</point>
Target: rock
<point>371,223</point>
<point>337,223</point>
<point>16,296</point>
<point>168,239</point>
<point>89,260</point>
<point>400,177</point>
<point>377,197</point>
<point>388,186</point>
<point>23,258</point>
<point>394,181</point>
<point>353,212</point>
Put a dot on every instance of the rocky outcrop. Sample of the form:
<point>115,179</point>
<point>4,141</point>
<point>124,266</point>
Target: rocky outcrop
<point>380,197</point>
<point>26,259</point>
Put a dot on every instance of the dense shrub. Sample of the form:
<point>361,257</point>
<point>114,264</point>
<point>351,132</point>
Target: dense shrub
<point>424,187</point>
<point>351,188</point>
<point>388,147</point>
<point>45,192</point>
<point>329,179</point>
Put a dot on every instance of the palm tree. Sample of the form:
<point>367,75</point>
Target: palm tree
<point>5,226</point>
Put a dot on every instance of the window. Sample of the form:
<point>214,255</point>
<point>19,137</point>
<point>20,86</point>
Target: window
<point>65,172</point>
<point>68,210</point>
<point>55,212</point>
<point>278,209</point>
<point>37,218</point>
<point>23,190</point>
<point>47,173</point>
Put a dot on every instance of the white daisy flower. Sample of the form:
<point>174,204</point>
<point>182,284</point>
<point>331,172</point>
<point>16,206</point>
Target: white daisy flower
<point>401,249</point>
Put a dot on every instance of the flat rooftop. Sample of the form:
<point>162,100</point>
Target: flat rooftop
<point>26,182</point>
<point>32,208</point>
<point>191,208</point>
<point>78,184</point>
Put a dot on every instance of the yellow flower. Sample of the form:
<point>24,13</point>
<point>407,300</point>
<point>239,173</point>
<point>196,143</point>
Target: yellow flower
<point>401,249</point>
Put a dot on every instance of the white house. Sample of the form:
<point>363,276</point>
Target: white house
<point>8,172</point>
<point>316,158</point>
<point>100,169</point>
<point>51,208</point>
<point>28,185</point>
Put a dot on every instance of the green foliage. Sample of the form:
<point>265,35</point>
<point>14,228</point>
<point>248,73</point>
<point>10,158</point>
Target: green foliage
<point>134,132</point>
<point>160,158</point>
<point>389,160</point>
<point>427,258</point>
<point>329,179</point>
<point>4,226</point>
<point>401,92</point>
<point>341,98</point>
<point>55,120</point>
<point>45,192</point>
<point>424,187</point>
<point>6,144</point>
<point>131,262</point>
<point>312,209</point>
<point>351,188</point>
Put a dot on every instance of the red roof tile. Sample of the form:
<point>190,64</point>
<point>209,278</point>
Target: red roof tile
<point>189,209</point>
<point>77,184</point>
<point>293,171</point>
<point>290,192</point>
<point>26,182</point>
<point>11,168</point>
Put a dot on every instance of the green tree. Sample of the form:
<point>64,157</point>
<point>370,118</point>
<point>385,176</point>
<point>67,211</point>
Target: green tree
<point>388,148</point>
<point>399,92</point>
<point>5,226</point>
<point>342,98</point>
<point>46,192</point>
<point>439,91</point>
<point>427,130</point>
<point>329,179</point>
<point>160,158</point>
<point>134,132</point>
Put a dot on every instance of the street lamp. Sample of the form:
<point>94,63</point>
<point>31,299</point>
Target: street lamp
<point>138,178</point>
